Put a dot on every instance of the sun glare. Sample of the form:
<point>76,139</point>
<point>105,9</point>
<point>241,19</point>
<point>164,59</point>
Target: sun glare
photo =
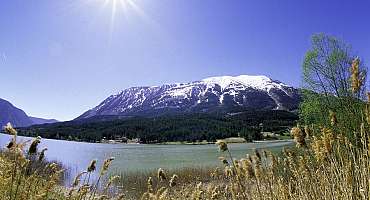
<point>126,8</point>
<point>120,6</point>
<point>115,4</point>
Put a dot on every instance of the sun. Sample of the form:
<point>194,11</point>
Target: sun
<point>114,4</point>
<point>119,7</point>
<point>122,7</point>
<point>128,10</point>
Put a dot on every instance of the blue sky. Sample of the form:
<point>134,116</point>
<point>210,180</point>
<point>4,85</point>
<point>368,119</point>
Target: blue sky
<point>60,58</point>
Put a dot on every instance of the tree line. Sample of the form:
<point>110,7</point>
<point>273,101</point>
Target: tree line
<point>185,127</point>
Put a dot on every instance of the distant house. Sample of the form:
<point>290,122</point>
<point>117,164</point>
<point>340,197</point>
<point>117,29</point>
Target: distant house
<point>117,139</point>
<point>121,139</point>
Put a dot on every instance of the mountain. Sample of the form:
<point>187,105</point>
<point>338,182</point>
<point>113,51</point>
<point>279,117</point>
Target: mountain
<point>36,120</point>
<point>17,117</point>
<point>12,114</point>
<point>212,94</point>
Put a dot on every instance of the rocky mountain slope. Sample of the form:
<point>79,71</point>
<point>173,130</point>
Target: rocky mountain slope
<point>210,94</point>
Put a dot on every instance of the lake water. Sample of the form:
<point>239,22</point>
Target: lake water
<point>140,157</point>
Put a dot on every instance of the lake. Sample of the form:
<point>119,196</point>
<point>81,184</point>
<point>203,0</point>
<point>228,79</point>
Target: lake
<point>76,156</point>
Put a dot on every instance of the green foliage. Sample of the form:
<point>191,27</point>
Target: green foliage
<point>327,85</point>
<point>311,111</point>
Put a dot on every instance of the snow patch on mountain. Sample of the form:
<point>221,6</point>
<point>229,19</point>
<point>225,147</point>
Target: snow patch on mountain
<point>257,82</point>
<point>256,92</point>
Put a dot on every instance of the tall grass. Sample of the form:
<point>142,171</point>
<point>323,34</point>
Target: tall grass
<point>134,184</point>
<point>25,175</point>
<point>324,165</point>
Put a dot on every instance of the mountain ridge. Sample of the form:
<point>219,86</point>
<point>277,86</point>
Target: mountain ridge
<point>37,120</point>
<point>209,94</point>
<point>17,117</point>
<point>12,114</point>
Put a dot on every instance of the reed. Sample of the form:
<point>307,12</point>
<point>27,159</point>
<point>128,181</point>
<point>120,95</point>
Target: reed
<point>327,167</point>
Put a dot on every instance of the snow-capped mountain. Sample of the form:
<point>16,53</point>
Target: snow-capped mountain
<point>214,93</point>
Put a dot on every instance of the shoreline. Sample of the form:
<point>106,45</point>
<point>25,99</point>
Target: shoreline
<point>171,143</point>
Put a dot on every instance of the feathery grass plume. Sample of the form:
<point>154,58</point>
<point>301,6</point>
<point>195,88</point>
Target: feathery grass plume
<point>257,154</point>
<point>9,129</point>
<point>106,165</point>
<point>299,136</point>
<point>328,139</point>
<point>42,154</point>
<point>173,180</point>
<point>333,118</point>
<point>248,168</point>
<point>249,158</point>
<point>317,148</point>
<point>323,146</point>
<point>356,78</point>
<point>33,146</point>
<point>92,166</point>
<point>161,175</point>
<point>222,145</point>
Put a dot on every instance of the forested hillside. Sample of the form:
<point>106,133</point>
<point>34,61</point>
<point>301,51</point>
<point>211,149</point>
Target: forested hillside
<point>190,127</point>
